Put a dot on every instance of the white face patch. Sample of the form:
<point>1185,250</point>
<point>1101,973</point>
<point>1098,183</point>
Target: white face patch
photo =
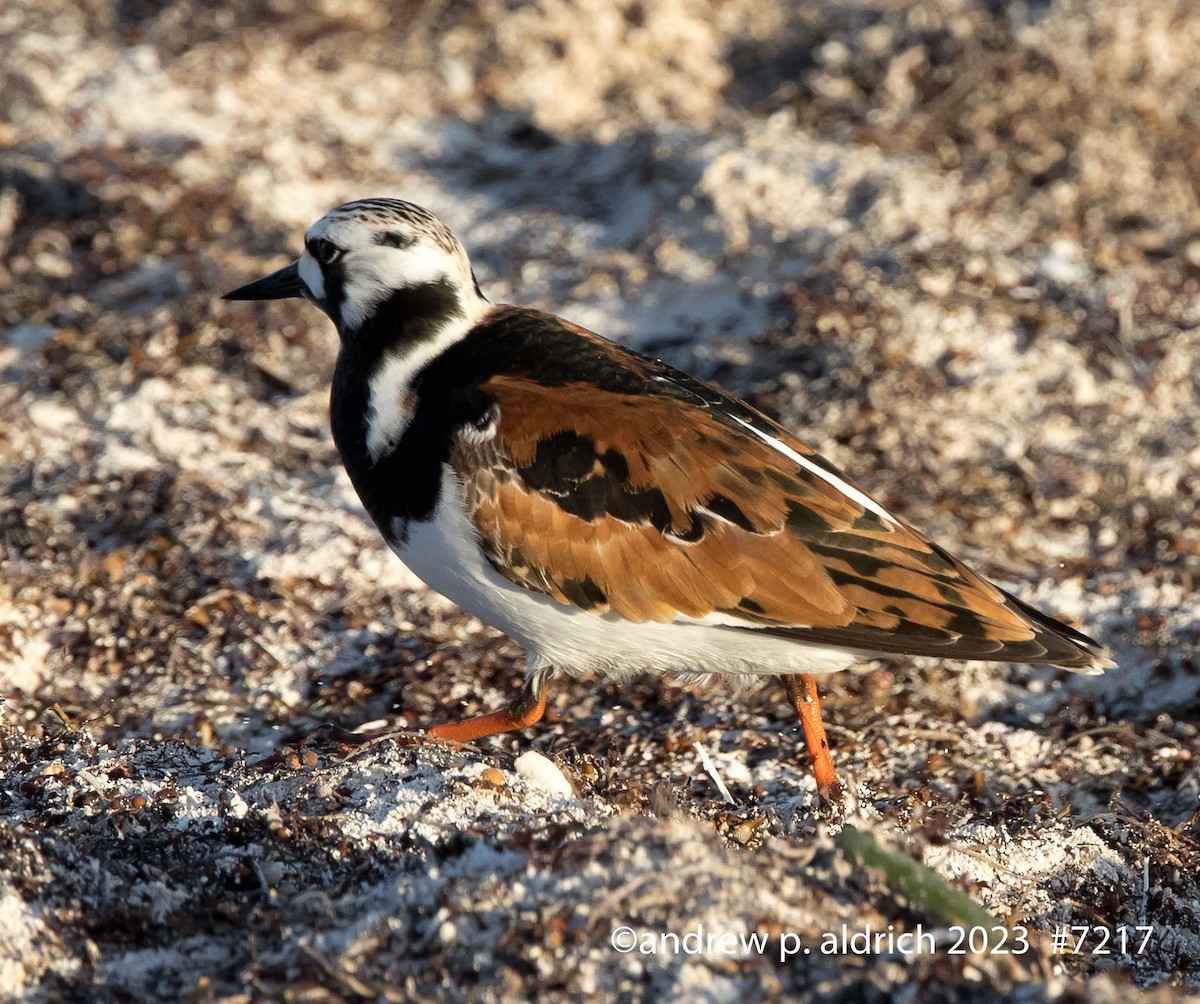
<point>382,252</point>
<point>310,272</point>
<point>375,271</point>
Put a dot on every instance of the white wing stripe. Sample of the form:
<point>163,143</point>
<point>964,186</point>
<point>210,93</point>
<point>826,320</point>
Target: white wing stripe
<point>832,479</point>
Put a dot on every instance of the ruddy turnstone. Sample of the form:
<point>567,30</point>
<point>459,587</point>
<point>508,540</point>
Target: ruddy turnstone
<point>608,512</point>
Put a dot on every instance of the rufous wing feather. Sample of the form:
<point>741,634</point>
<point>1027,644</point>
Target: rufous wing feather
<point>659,502</point>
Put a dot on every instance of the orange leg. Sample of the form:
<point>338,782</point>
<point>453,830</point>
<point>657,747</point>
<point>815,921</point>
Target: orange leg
<point>526,709</point>
<point>802,693</point>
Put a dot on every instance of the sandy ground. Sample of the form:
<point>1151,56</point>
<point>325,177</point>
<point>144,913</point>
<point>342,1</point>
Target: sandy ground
<point>955,245</point>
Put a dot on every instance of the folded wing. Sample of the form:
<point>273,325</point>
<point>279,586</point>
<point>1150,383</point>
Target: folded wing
<point>659,499</point>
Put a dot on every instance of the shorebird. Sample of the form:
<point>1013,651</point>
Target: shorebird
<point>610,513</point>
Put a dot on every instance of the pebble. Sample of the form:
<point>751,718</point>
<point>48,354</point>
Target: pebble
<point>541,772</point>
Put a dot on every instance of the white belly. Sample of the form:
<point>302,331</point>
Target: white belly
<point>445,554</point>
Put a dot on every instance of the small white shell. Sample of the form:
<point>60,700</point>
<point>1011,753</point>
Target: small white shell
<point>541,772</point>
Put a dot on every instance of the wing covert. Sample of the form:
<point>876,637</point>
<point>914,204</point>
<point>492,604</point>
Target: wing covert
<point>658,498</point>
<point>656,511</point>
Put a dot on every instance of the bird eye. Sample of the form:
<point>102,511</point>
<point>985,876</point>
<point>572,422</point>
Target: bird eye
<point>324,251</point>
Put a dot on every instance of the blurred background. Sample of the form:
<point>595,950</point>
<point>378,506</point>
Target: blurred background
<point>953,244</point>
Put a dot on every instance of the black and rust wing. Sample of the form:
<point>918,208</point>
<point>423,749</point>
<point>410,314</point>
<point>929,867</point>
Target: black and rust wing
<point>615,483</point>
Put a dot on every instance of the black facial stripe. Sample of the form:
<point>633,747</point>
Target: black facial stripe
<point>324,251</point>
<point>407,317</point>
<point>335,291</point>
<point>406,482</point>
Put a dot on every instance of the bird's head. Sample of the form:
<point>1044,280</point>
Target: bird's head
<point>362,257</point>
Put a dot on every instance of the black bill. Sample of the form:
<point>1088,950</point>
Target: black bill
<point>279,285</point>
